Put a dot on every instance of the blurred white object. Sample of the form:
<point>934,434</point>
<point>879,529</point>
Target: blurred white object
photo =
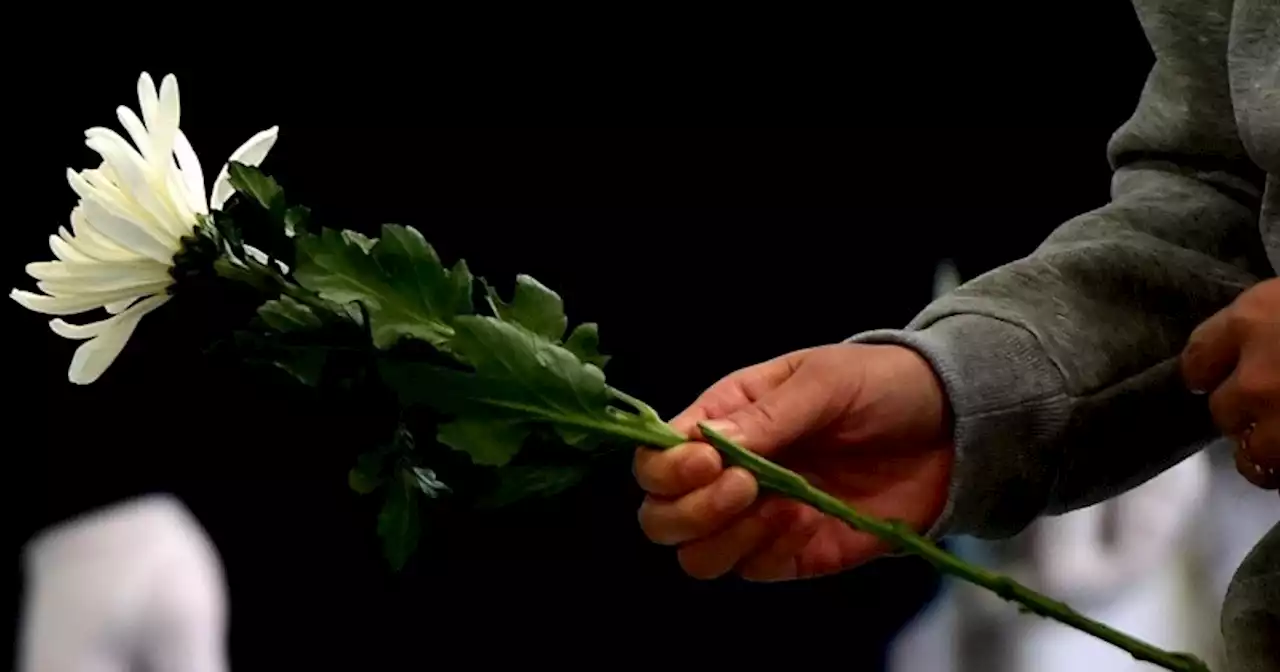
<point>1133,577</point>
<point>1236,517</point>
<point>1123,562</point>
<point>135,586</point>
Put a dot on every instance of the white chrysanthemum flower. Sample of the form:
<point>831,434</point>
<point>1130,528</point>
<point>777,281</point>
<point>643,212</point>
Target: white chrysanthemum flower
<point>133,212</point>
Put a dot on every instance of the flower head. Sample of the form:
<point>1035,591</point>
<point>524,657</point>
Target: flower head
<point>133,212</point>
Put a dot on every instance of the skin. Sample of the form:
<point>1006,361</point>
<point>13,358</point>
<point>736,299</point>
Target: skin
<point>870,424</point>
<point>867,423</point>
<point>1234,356</point>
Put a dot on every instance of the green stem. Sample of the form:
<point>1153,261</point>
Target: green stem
<point>269,281</point>
<point>646,427</point>
<point>901,537</point>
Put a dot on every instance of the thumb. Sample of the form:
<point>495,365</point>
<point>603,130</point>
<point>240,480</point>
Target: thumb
<point>781,417</point>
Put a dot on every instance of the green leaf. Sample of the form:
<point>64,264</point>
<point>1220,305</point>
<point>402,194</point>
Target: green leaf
<point>361,482</point>
<point>519,381</point>
<point>365,243</point>
<point>287,315</point>
<point>367,476</point>
<point>398,278</point>
<point>263,188</point>
<point>533,306</point>
<point>297,219</point>
<point>428,483</point>
<point>399,523</point>
<point>303,363</point>
<point>584,342</point>
<point>257,214</point>
<point>490,441</point>
<point>519,483</point>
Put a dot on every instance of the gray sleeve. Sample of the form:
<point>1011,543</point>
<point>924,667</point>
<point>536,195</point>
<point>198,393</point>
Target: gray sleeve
<point>1061,367</point>
<point>1251,612</point>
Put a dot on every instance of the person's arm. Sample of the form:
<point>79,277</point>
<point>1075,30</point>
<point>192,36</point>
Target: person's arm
<point>1061,367</point>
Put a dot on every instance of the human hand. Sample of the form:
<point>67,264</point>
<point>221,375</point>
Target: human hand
<point>1235,355</point>
<point>866,423</point>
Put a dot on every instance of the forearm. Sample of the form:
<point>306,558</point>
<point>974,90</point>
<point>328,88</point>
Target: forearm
<point>1061,367</point>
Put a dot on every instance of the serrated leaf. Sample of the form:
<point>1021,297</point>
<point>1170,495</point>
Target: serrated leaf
<point>398,523</point>
<point>365,243</point>
<point>489,441</point>
<point>533,306</point>
<point>519,379</point>
<point>287,315</point>
<point>256,214</point>
<point>398,278</point>
<point>428,483</point>
<point>584,342</point>
<point>252,182</point>
<point>519,483</point>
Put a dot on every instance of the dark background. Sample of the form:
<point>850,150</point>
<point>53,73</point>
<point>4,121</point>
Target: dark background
<point>930,134</point>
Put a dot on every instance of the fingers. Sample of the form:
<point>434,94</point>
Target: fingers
<point>1258,474</point>
<point>778,560</point>
<point>1261,444</point>
<point>1211,352</point>
<point>701,512</point>
<point>1231,406</point>
<point>676,471</point>
<point>798,406</point>
<point>716,555</point>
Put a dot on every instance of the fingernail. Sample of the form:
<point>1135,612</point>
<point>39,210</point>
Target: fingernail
<point>724,427</point>
<point>1199,393</point>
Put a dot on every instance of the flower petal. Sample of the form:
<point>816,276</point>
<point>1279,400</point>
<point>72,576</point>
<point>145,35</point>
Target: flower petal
<point>192,173</point>
<point>251,153</point>
<point>65,251</point>
<point>117,307</point>
<point>260,257</point>
<point>93,186</point>
<point>136,129</point>
<point>94,357</point>
<point>92,243</point>
<point>148,101</point>
<point>70,305</point>
<point>139,181</point>
<point>168,114</point>
<point>67,279</point>
<point>129,235</point>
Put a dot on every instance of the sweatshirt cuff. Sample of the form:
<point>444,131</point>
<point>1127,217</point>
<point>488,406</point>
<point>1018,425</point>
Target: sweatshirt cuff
<point>1009,408</point>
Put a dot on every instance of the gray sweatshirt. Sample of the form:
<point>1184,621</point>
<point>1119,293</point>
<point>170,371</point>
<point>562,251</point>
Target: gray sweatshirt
<point>1062,367</point>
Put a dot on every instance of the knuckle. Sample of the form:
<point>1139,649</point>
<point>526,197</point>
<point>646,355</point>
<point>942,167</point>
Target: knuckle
<point>1257,383</point>
<point>1242,317</point>
<point>1259,301</point>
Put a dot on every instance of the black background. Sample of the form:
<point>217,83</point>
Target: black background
<point>919,135</point>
